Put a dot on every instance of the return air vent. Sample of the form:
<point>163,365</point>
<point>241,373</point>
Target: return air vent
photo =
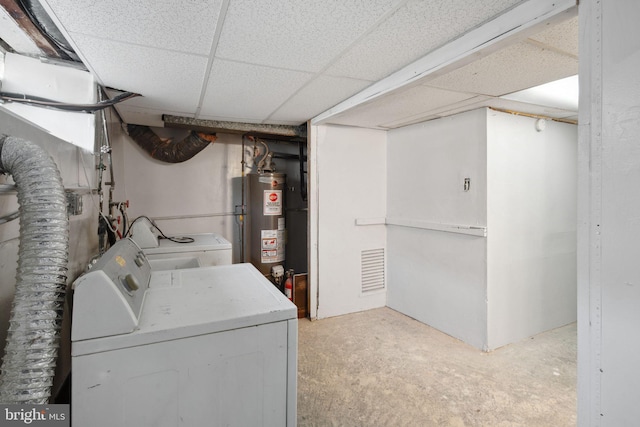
<point>372,270</point>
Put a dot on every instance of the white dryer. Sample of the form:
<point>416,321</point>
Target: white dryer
<point>212,346</point>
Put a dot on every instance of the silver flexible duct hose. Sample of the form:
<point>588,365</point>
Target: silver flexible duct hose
<point>31,350</point>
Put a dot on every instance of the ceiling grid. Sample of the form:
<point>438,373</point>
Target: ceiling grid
<point>270,62</point>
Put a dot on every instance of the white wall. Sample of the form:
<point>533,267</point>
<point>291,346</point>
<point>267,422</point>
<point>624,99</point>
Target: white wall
<point>439,277</point>
<point>351,171</point>
<point>199,195</point>
<point>609,206</point>
<point>531,200</point>
<point>518,281</point>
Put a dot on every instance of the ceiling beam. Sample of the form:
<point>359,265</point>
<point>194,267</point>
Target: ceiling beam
<point>515,24</point>
<point>256,129</point>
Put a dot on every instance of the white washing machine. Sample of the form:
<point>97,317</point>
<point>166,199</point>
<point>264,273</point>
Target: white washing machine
<point>209,346</point>
<point>206,248</point>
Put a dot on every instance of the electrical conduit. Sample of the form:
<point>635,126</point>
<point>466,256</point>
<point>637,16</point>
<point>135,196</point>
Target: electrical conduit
<point>32,343</point>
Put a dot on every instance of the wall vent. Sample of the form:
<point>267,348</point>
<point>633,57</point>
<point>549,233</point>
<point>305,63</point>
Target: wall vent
<point>372,262</point>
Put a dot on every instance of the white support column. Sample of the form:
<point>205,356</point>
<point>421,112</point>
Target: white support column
<point>312,176</point>
<point>589,195</point>
<point>609,202</point>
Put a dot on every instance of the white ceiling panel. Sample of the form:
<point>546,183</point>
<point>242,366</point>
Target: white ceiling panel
<point>562,37</point>
<point>297,35</point>
<point>539,110</point>
<point>514,68</point>
<point>325,91</point>
<point>473,103</point>
<point>285,62</point>
<point>409,34</point>
<point>413,101</point>
<point>166,80</point>
<point>442,110</point>
<point>499,104</point>
<point>186,26</point>
<point>248,92</point>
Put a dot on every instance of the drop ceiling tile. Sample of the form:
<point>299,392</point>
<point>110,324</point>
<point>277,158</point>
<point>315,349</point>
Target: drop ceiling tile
<point>511,69</point>
<point>248,92</point>
<point>297,35</point>
<point>186,26</point>
<point>165,79</point>
<point>321,94</point>
<point>356,120</point>
<point>472,104</point>
<point>413,31</point>
<point>442,111</point>
<point>563,36</point>
<point>502,105</point>
<point>399,106</point>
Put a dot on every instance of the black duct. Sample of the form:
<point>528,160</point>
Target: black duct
<point>169,150</point>
<point>41,19</point>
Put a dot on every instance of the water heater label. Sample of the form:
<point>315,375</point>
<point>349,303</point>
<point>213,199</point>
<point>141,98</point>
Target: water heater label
<point>272,248</point>
<point>272,202</point>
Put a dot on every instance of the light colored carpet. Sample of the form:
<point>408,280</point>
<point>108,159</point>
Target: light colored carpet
<point>381,368</point>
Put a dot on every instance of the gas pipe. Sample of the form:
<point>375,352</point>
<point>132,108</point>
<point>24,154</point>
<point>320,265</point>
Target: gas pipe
<point>288,286</point>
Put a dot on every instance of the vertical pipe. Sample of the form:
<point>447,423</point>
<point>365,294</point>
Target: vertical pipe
<point>108,150</point>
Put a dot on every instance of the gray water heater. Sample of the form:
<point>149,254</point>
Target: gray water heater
<point>265,232</point>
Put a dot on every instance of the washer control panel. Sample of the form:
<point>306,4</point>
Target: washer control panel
<point>108,299</point>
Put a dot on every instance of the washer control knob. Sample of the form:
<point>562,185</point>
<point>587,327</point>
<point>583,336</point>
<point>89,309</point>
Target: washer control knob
<point>131,283</point>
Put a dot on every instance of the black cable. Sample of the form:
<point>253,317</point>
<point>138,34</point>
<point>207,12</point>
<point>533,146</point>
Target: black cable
<point>180,239</point>
<point>44,102</point>
<point>177,239</point>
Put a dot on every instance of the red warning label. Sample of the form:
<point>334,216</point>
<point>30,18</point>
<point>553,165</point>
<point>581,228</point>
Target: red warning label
<point>269,243</point>
<point>272,246</point>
